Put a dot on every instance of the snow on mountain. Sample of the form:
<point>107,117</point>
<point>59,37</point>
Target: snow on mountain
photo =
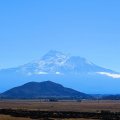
<point>55,62</point>
<point>48,64</point>
<point>58,63</point>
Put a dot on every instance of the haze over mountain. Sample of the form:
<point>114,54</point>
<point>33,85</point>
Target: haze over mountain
<point>71,71</point>
<point>46,89</point>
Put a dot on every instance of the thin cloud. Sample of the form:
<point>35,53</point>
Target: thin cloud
<point>110,74</point>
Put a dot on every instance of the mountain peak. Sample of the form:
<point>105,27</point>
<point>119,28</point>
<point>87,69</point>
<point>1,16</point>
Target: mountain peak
<point>42,89</point>
<point>53,53</point>
<point>43,83</point>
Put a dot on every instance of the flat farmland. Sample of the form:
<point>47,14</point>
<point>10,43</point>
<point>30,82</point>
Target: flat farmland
<point>84,106</point>
<point>61,110</point>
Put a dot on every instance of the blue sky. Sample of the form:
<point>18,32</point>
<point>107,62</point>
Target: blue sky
<point>88,28</point>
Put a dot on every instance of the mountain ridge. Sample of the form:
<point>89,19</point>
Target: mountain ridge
<point>46,89</point>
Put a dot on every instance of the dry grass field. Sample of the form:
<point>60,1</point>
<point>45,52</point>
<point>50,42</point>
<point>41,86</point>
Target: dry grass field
<point>7,117</point>
<point>84,106</point>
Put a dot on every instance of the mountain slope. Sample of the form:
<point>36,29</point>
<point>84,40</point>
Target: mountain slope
<point>41,90</point>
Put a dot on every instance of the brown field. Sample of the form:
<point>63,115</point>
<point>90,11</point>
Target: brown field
<point>7,117</point>
<point>84,106</point>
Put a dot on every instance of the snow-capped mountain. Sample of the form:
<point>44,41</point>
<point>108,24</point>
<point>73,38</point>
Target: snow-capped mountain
<point>55,62</point>
<point>72,71</point>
